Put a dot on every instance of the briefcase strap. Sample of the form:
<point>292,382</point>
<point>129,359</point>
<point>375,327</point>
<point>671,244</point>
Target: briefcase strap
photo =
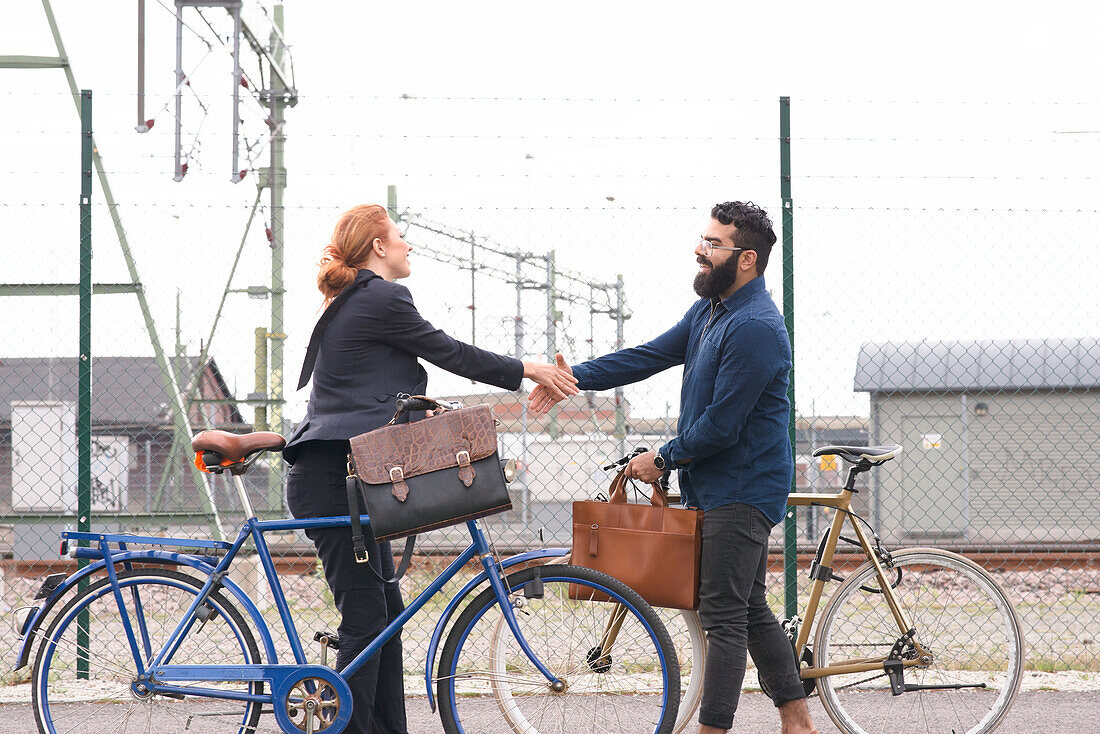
<point>359,543</point>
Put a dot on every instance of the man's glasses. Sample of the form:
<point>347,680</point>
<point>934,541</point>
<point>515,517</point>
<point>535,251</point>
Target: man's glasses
<point>709,248</point>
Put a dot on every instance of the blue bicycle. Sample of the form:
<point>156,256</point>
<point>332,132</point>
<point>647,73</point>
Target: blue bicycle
<point>161,640</point>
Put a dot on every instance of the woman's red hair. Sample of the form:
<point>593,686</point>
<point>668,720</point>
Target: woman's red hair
<point>350,247</point>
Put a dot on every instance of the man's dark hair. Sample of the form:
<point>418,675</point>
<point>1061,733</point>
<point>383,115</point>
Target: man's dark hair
<point>754,228</point>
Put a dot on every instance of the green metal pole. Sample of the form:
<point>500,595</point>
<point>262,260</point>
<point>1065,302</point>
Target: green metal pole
<point>261,378</point>
<point>552,426</point>
<point>620,407</point>
<point>276,335</point>
<point>790,527</point>
<point>169,379</point>
<point>84,366</point>
<point>391,201</point>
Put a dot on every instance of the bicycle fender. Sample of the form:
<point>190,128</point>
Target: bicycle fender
<point>39,617</point>
<point>465,591</point>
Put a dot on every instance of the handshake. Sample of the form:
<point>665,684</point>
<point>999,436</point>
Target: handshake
<point>554,383</point>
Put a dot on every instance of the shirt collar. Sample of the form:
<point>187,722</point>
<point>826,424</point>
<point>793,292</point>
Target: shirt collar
<point>364,273</point>
<point>742,294</point>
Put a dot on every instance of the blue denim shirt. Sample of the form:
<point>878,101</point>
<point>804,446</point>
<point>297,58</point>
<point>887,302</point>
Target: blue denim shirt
<point>733,443</point>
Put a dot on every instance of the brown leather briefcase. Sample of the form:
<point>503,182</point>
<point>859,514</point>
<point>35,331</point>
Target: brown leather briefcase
<point>430,473</point>
<point>654,549</point>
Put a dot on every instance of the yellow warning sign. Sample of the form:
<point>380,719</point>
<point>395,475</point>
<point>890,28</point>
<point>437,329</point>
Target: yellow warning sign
<point>826,463</point>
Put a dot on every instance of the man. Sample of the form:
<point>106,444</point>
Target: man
<point>732,450</point>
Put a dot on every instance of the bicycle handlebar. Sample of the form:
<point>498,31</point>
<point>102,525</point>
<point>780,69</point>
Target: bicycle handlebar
<point>662,482</point>
<point>415,403</point>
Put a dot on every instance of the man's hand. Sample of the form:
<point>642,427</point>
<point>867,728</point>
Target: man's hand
<point>641,467</point>
<point>554,384</point>
<point>542,398</point>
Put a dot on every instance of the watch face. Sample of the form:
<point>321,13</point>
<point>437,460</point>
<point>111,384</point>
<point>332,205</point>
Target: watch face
<point>659,461</point>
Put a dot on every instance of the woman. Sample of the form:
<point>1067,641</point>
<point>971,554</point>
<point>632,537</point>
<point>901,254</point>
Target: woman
<point>363,353</point>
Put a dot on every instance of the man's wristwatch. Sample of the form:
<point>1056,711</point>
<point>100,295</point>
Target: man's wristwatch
<point>659,462</point>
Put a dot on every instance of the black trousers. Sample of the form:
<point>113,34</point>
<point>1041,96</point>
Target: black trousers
<point>736,616</point>
<point>316,488</point>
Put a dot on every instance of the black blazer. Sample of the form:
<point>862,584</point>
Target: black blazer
<point>367,355</point>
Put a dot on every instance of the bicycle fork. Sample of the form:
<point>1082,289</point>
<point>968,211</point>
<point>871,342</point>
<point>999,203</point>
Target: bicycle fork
<point>496,581</point>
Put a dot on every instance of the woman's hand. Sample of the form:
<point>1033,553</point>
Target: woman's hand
<point>555,381</point>
<point>542,399</point>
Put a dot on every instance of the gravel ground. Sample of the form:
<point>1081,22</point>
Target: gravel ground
<point>1035,712</point>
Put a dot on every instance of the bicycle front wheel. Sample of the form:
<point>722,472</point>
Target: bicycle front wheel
<point>618,669</point>
<point>961,617</point>
<point>85,665</point>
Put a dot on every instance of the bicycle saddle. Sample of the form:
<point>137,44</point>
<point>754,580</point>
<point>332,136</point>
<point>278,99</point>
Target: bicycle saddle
<point>856,454</point>
<point>236,447</point>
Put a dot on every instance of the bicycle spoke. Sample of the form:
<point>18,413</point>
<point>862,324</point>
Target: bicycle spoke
<point>963,621</point>
<point>617,691</point>
<point>62,688</point>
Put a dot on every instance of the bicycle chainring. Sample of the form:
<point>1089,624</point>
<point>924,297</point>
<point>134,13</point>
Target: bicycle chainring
<point>312,704</point>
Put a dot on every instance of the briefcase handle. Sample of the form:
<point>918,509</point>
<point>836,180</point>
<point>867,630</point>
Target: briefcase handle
<point>407,403</point>
<point>618,491</point>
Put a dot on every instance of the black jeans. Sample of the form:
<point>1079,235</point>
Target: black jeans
<point>316,488</point>
<point>736,616</point>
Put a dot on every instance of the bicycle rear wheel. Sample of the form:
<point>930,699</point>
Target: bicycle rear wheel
<point>483,676</point>
<point>82,675</point>
<point>960,615</point>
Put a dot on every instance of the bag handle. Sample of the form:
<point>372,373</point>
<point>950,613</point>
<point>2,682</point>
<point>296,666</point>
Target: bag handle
<point>618,491</point>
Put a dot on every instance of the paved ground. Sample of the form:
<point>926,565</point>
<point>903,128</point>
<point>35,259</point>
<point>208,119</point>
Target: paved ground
<point>1035,712</point>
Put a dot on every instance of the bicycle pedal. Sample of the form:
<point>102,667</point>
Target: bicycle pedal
<point>327,639</point>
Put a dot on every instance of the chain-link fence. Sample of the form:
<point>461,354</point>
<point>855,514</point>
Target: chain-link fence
<point>940,303</point>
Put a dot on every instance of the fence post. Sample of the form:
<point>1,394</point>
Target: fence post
<point>84,364</point>
<point>790,527</point>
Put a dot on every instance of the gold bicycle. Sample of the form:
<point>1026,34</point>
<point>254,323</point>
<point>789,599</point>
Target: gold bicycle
<point>916,640</point>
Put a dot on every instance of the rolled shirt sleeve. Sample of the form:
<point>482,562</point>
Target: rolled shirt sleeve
<point>635,364</point>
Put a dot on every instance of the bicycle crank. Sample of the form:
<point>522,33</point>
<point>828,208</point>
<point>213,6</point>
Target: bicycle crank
<point>312,705</point>
<point>316,699</point>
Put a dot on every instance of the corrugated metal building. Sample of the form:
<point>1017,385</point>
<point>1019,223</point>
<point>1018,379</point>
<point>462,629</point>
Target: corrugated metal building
<point>1002,440</point>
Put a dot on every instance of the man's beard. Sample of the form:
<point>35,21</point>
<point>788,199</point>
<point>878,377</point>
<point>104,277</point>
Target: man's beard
<point>719,279</point>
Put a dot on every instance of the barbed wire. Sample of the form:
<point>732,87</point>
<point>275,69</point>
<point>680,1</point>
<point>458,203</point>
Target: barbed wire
<point>616,100</point>
<point>638,138</point>
<point>326,209</point>
<point>629,176</point>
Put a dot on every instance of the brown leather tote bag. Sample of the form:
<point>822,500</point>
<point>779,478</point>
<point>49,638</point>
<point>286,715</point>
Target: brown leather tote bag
<point>654,549</point>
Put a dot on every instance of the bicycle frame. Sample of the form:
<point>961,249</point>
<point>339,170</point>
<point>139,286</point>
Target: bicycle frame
<point>155,669</point>
<point>841,502</point>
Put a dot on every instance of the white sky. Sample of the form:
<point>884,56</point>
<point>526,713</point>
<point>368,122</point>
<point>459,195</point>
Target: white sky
<point>685,114</point>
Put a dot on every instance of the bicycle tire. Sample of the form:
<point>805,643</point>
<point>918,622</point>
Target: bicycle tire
<point>164,596</point>
<point>686,631</point>
<point>636,690</point>
<point>691,692</point>
<point>691,652</point>
<point>960,614</point>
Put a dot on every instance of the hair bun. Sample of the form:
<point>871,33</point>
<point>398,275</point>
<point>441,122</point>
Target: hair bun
<point>331,254</point>
<point>334,276</point>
